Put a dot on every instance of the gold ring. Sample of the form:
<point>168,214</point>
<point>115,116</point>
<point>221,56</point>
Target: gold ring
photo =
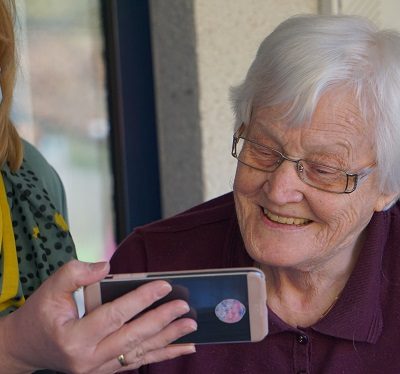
<point>121,360</point>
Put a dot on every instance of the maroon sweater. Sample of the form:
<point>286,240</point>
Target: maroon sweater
<point>360,334</point>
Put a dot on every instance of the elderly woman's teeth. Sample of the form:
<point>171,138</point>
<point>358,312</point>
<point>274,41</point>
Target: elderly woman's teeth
<point>285,220</point>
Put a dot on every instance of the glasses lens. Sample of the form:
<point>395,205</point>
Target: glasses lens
<point>320,176</point>
<point>323,177</point>
<point>257,156</point>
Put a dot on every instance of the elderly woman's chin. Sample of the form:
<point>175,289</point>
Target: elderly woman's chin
<point>275,240</point>
<point>286,237</point>
<point>292,249</point>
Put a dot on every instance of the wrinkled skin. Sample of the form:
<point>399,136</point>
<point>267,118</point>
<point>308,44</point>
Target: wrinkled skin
<point>307,265</point>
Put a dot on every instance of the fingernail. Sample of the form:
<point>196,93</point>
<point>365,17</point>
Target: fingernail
<point>192,326</point>
<point>98,266</point>
<point>164,289</point>
<point>183,308</point>
<point>191,349</point>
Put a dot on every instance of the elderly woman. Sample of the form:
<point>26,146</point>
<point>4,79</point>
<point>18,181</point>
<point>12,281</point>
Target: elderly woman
<point>39,324</point>
<point>313,205</point>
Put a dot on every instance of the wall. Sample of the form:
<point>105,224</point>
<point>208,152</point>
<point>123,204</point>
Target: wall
<point>200,49</point>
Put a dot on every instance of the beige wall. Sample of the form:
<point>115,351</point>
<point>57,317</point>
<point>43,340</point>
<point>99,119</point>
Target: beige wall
<point>200,49</point>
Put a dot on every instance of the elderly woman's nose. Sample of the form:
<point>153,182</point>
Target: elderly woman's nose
<point>284,185</point>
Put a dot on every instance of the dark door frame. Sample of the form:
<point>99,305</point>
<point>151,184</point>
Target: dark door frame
<point>133,131</point>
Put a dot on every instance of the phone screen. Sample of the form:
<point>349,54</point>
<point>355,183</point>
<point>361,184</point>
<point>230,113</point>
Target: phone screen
<point>219,304</point>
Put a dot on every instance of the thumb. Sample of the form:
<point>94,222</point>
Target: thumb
<point>76,274</point>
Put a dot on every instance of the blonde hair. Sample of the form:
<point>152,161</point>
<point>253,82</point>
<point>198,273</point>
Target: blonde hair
<point>11,150</point>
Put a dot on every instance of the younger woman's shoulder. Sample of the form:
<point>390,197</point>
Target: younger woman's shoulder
<point>51,181</point>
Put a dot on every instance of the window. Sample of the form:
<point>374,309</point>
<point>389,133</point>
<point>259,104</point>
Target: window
<point>60,106</point>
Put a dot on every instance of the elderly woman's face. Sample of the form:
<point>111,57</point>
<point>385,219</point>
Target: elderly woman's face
<point>285,222</point>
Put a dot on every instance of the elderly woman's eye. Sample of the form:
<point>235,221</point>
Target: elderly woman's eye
<point>325,171</point>
<point>264,152</point>
<point>267,156</point>
<point>267,153</point>
<point>322,169</point>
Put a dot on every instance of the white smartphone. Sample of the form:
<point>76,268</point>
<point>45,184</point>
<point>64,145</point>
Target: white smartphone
<point>229,305</point>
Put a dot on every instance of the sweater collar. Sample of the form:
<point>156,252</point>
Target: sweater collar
<point>357,315</point>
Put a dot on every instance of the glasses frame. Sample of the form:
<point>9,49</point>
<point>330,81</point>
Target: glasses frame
<point>356,177</point>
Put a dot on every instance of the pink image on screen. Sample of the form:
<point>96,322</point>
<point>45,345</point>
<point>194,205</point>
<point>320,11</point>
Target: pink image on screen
<point>230,311</point>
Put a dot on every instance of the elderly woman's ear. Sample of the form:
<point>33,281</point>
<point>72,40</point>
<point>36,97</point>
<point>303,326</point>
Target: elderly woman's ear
<point>386,201</point>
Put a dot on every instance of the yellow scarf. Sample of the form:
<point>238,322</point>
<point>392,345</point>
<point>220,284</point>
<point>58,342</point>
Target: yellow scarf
<point>9,287</point>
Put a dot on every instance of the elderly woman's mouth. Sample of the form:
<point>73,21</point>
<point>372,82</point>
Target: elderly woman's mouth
<point>286,220</point>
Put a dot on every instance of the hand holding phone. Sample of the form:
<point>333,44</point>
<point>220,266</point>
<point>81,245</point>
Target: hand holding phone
<point>229,305</point>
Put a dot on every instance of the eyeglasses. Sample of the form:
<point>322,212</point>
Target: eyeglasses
<point>322,177</point>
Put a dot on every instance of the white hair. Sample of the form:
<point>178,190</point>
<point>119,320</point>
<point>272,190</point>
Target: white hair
<point>308,54</point>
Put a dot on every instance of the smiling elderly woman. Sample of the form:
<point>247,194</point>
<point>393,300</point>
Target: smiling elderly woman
<point>314,205</point>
